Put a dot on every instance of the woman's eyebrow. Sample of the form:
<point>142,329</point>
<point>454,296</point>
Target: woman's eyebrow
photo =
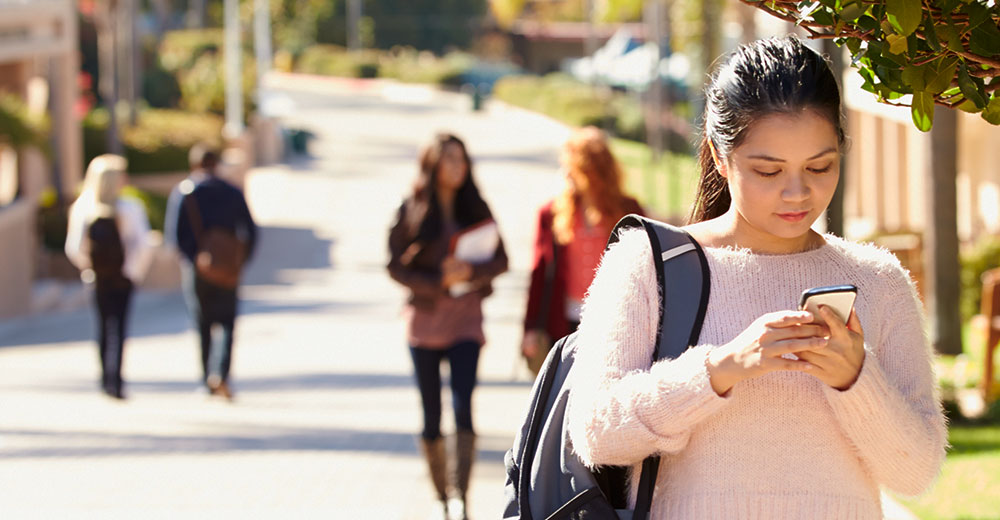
<point>766,157</point>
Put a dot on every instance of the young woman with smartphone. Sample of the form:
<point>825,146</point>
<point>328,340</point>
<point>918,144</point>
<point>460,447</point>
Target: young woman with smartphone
<point>775,412</point>
<point>443,323</point>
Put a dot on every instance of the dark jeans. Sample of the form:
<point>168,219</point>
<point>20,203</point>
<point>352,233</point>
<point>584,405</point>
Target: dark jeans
<point>463,357</point>
<point>211,306</point>
<point>112,314</point>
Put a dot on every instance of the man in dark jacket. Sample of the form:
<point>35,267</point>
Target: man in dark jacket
<point>213,212</point>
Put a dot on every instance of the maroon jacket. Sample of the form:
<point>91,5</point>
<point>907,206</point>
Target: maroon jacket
<point>553,320</point>
<point>418,265</point>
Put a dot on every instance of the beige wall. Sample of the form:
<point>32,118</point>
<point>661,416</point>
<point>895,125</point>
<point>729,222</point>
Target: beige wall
<point>17,247</point>
<point>886,170</point>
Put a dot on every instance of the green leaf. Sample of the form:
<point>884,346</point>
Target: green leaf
<point>948,34</point>
<point>930,35</point>
<point>968,106</point>
<point>922,110</point>
<point>977,14</point>
<point>985,40</point>
<point>852,12</point>
<point>868,23</point>
<point>904,15</point>
<point>992,111</point>
<point>969,88</point>
<point>823,16</point>
<point>940,73</point>
<point>913,77</point>
<point>897,43</point>
<point>948,6</point>
<point>854,45</point>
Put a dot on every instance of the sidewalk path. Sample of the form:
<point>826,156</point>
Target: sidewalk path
<point>326,411</point>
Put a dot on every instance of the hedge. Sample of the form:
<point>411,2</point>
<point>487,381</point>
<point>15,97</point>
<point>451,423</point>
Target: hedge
<point>159,143</point>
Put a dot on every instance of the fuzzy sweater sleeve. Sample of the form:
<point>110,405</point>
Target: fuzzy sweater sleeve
<point>621,410</point>
<point>892,413</point>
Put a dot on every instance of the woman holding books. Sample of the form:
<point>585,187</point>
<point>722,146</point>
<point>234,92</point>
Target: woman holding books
<point>444,313</point>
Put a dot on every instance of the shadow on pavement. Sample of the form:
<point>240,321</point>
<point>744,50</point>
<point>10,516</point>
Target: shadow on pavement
<point>291,382</point>
<point>254,438</point>
<point>281,249</point>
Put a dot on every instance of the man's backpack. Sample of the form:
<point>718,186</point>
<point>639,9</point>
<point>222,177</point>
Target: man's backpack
<point>545,477</point>
<point>220,253</point>
<point>107,254</point>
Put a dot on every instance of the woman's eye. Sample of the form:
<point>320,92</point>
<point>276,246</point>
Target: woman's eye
<point>768,174</point>
<point>820,170</point>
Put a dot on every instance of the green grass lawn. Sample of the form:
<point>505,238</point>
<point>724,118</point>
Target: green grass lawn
<point>969,485</point>
<point>665,189</point>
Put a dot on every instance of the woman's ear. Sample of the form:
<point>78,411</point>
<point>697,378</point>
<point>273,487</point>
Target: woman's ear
<point>720,166</point>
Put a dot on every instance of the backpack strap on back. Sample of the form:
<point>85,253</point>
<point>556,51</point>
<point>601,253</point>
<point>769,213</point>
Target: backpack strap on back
<point>680,260</point>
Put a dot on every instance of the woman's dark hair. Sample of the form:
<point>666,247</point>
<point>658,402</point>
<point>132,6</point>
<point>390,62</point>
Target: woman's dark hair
<point>424,213</point>
<point>764,77</point>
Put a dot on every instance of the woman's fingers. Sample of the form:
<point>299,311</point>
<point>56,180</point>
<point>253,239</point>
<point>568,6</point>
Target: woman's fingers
<point>793,346</point>
<point>854,323</point>
<point>787,319</point>
<point>796,331</point>
<point>796,365</point>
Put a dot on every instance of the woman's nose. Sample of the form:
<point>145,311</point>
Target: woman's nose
<point>796,189</point>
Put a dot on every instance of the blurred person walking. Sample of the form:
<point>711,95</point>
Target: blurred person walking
<point>201,161</point>
<point>107,239</point>
<point>215,234</point>
<point>570,235</point>
<point>444,311</point>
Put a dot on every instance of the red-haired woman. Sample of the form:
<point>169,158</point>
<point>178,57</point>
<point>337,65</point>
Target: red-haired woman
<point>571,232</point>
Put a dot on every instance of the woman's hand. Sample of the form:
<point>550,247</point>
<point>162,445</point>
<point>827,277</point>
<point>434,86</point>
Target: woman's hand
<point>455,271</point>
<point>531,343</point>
<point>758,349</point>
<point>838,364</point>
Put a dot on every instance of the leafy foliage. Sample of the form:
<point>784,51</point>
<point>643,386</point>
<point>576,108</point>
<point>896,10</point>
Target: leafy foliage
<point>158,143</point>
<point>944,52</point>
<point>19,128</point>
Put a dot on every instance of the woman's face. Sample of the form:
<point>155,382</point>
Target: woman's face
<point>783,175</point>
<point>452,168</point>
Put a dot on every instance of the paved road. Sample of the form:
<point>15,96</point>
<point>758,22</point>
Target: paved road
<point>326,410</point>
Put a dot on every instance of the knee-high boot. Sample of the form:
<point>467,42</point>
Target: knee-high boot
<point>434,454</point>
<point>465,454</point>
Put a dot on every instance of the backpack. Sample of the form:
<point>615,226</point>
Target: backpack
<point>220,253</point>
<point>545,477</point>
<point>107,254</point>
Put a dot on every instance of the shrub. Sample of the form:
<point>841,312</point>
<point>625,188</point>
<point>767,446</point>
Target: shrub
<point>203,87</point>
<point>334,60</point>
<point>159,143</point>
<point>180,49</point>
<point>401,63</point>
<point>561,97</point>
<point>18,128</point>
<point>982,256</point>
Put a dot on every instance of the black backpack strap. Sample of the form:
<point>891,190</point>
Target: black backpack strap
<point>680,322</point>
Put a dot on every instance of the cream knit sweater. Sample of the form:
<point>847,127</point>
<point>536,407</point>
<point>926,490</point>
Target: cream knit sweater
<point>780,446</point>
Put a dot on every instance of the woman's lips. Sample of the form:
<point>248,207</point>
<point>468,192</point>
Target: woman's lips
<point>793,217</point>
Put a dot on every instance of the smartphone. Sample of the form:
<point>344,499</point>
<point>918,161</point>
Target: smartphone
<point>839,298</point>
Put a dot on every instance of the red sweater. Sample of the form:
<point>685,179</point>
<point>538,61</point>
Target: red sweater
<point>554,318</point>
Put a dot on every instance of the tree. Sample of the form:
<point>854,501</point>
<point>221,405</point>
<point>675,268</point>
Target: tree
<point>944,52</point>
